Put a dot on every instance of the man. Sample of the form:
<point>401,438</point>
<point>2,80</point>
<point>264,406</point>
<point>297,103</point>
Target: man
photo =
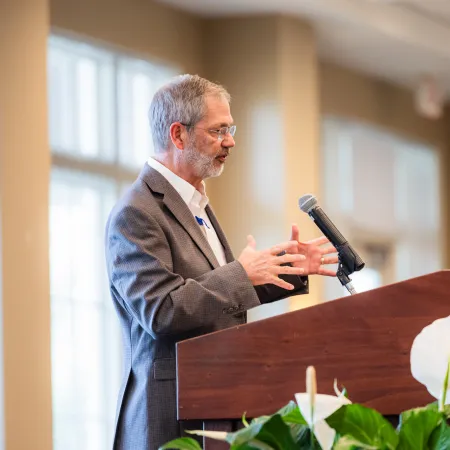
<point>172,274</point>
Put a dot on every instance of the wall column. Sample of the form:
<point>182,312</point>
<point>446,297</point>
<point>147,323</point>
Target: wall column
<point>24,243</point>
<point>269,65</point>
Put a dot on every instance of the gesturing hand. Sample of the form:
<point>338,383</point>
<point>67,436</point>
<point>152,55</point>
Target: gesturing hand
<point>264,266</point>
<point>315,260</point>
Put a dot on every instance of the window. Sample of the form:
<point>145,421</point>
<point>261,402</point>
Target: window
<point>100,139</point>
<point>382,192</point>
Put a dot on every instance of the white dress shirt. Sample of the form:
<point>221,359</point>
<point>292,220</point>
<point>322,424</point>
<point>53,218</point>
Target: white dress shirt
<point>196,202</point>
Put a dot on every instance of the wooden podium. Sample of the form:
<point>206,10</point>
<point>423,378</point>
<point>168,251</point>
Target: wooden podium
<point>363,341</point>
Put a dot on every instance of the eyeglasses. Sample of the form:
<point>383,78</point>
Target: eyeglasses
<point>220,132</point>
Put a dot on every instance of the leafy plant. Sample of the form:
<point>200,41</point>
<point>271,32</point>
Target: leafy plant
<point>356,427</point>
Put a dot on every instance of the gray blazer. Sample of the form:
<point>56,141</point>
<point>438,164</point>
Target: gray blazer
<point>167,285</point>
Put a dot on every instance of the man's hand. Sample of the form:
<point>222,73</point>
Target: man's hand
<point>315,259</point>
<point>264,266</point>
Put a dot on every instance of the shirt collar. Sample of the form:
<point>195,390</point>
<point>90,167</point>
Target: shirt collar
<point>188,193</point>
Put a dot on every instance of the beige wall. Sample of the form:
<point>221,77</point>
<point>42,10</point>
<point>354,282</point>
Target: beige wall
<point>139,26</point>
<point>269,64</point>
<point>246,65</point>
<point>298,67</point>
<point>24,274</point>
<point>347,94</point>
<point>274,91</point>
<point>350,94</point>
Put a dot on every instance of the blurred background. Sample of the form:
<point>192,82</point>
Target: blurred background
<point>345,99</point>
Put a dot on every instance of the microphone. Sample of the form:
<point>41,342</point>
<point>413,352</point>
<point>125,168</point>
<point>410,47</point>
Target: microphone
<point>349,260</point>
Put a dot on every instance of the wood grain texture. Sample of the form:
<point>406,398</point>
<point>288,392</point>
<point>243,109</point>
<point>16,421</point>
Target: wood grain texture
<point>363,341</point>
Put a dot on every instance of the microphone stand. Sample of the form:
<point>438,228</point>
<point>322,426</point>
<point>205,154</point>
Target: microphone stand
<point>343,277</point>
<point>349,262</point>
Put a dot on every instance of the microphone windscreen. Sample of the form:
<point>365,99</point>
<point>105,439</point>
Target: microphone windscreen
<point>307,202</point>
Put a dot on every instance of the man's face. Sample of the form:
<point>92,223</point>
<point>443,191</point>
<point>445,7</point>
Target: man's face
<point>205,152</point>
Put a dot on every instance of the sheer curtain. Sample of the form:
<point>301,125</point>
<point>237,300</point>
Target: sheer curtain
<point>98,101</point>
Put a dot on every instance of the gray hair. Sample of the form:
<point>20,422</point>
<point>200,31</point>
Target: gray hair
<point>181,100</point>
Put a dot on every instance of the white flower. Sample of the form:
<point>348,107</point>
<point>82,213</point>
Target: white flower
<point>315,408</point>
<point>430,357</point>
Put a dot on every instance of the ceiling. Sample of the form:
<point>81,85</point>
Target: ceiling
<point>438,10</point>
<point>397,40</point>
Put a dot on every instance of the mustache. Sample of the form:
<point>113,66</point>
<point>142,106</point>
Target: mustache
<point>224,152</point>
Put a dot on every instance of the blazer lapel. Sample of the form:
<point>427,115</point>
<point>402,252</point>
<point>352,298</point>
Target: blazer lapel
<point>179,209</point>
<point>220,234</point>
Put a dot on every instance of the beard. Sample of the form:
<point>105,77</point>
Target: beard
<point>204,166</point>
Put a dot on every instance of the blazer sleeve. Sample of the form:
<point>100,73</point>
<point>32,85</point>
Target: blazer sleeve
<point>139,262</point>
<point>268,293</point>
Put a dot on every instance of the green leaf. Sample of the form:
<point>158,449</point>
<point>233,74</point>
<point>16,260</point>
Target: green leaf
<point>290,414</point>
<point>260,419</point>
<point>364,425</point>
<point>291,406</point>
<point>244,421</point>
<point>289,410</point>
<point>446,411</point>
<point>406,415</point>
<point>274,432</point>
<point>294,417</point>
<point>417,426</point>
<point>255,445</point>
<point>440,438</point>
<point>435,406</point>
<point>297,431</point>
<point>182,444</point>
<point>431,406</point>
<point>306,440</point>
<point>244,435</point>
<point>348,443</point>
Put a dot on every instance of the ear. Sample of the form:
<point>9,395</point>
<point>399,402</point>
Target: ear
<point>178,135</point>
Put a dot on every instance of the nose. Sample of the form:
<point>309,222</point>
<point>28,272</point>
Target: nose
<point>228,141</point>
